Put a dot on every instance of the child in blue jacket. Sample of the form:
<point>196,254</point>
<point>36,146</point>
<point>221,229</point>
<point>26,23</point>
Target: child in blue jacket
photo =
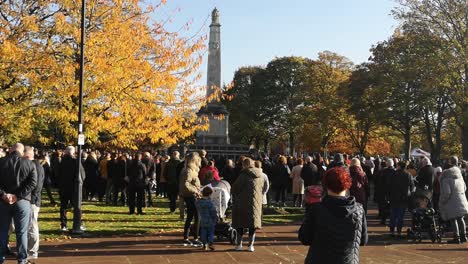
<point>208,218</point>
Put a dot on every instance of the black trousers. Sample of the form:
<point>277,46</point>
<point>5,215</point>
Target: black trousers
<point>66,198</point>
<point>137,193</point>
<point>150,198</point>
<point>119,189</point>
<point>191,214</point>
<point>281,194</point>
<point>172,191</point>
<point>49,193</point>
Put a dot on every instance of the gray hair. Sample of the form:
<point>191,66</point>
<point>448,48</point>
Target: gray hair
<point>389,163</point>
<point>17,147</point>
<point>29,152</point>
<point>70,150</point>
<point>425,161</point>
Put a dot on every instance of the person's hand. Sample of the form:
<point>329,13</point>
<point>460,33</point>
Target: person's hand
<point>10,198</point>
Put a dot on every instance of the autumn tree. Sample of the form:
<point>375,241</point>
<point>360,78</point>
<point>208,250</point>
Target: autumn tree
<point>447,20</point>
<point>138,74</point>
<point>324,107</point>
<point>361,93</point>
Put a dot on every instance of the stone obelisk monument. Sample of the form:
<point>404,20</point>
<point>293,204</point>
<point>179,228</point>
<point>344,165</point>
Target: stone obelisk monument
<point>215,111</point>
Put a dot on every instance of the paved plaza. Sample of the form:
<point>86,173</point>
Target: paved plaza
<point>275,244</point>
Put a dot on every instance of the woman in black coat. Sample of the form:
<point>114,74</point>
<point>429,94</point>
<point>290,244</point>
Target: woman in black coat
<point>137,184</point>
<point>280,179</point>
<point>336,227</point>
<point>91,167</point>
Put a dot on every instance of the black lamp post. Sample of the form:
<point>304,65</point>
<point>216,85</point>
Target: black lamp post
<point>78,183</point>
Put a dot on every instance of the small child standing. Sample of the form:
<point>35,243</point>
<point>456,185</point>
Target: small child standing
<point>208,218</point>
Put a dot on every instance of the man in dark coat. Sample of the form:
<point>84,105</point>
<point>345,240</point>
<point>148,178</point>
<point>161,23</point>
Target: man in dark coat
<point>399,188</point>
<point>425,178</point>
<point>150,174</point>
<point>118,180</point>
<point>68,175</point>
<point>18,179</point>
<point>310,173</point>
<point>173,180</point>
<point>136,185</point>
<point>380,190</point>
<point>36,200</point>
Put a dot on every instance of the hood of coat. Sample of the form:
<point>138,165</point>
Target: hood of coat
<point>253,172</point>
<point>453,173</point>
<point>340,207</point>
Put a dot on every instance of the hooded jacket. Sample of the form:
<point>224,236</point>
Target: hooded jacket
<point>334,230</point>
<point>247,195</point>
<point>452,201</point>
<point>18,176</point>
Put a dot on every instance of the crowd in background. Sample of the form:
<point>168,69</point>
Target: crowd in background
<point>339,182</point>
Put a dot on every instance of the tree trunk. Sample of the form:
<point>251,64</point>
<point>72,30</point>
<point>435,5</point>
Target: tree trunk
<point>265,146</point>
<point>407,149</point>
<point>291,144</point>
<point>464,134</point>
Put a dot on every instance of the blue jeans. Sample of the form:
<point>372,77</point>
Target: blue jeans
<point>20,212</point>
<point>396,218</point>
<point>207,234</point>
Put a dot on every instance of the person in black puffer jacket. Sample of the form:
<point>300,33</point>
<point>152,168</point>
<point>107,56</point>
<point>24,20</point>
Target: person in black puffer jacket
<point>335,228</point>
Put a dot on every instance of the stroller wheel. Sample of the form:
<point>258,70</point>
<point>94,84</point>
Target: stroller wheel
<point>233,236</point>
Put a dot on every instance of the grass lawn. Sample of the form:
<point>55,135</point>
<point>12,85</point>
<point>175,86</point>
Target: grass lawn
<point>107,221</point>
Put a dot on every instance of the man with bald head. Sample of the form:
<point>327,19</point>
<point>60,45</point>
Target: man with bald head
<point>18,179</point>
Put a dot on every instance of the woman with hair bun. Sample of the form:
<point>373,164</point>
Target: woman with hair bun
<point>335,228</point>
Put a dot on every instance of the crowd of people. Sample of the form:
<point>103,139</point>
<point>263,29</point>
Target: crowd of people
<point>336,188</point>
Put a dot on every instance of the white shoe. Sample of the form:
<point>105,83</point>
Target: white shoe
<point>251,248</point>
<point>238,247</point>
<point>64,228</point>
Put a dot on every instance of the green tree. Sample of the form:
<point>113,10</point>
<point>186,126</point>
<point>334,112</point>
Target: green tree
<point>447,20</point>
<point>286,80</point>
<point>247,106</point>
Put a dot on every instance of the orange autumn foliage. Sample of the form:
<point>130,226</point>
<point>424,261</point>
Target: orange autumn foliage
<point>139,77</point>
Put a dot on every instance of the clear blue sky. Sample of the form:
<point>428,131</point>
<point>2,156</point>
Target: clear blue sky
<point>256,31</point>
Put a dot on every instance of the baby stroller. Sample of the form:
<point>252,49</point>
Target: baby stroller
<point>223,229</point>
<point>423,218</point>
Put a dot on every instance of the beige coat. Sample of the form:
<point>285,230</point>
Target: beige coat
<point>297,181</point>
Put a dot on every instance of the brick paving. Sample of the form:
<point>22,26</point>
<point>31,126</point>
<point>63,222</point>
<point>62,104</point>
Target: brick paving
<point>275,244</point>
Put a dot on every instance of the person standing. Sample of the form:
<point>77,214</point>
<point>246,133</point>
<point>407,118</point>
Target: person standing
<point>280,180</point>
<point>452,202</point>
<point>36,200</point>
<point>336,227</point>
<point>136,185</point>
<point>18,179</point>
<point>297,183</point>
<point>190,190</point>
<point>208,218</point>
<point>247,205</point>
<point>309,173</point>
<point>266,183</point>
<point>150,174</point>
<point>104,173</point>
<point>68,172</point>
<point>45,162</point>
<point>173,180</point>
<point>425,178</point>
<point>399,189</point>
<point>360,186</point>
<point>380,190</point>
<point>91,168</point>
